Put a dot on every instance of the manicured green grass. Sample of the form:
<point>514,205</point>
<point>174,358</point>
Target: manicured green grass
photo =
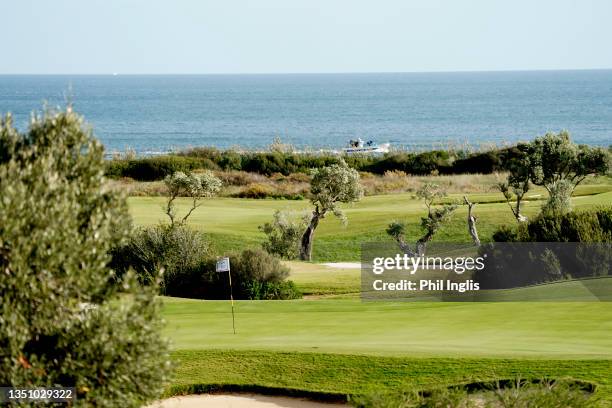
<point>521,329</point>
<point>317,279</point>
<point>358,374</point>
<point>232,224</point>
<point>348,346</point>
<point>351,347</point>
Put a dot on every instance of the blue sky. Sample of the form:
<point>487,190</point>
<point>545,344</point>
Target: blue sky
<point>272,36</point>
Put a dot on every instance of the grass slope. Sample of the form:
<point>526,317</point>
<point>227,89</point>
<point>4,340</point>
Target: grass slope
<point>356,374</point>
<point>232,223</point>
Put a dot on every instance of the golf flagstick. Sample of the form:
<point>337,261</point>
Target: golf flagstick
<point>223,265</point>
<point>229,274</point>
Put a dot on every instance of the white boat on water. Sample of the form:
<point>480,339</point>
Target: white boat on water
<point>359,146</point>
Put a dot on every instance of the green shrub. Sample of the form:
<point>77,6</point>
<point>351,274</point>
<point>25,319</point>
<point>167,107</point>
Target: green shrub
<point>593,225</point>
<point>548,261</point>
<point>478,163</point>
<point>503,394</point>
<point>505,234</point>
<point>63,321</point>
<point>255,275</point>
<point>560,198</point>
<point>285,290</point>
<point>283,235</point>
<point>257,265</point>
<point>440,398</point>
<point>156,168</point>
<point>177,249</point>
<point>582,226</point>
<point>288,162</point>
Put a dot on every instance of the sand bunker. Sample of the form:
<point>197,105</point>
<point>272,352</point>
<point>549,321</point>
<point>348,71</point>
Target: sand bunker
<point>344,265</point>
<point>239,401</point>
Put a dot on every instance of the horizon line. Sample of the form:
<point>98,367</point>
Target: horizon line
<point>467,71</point>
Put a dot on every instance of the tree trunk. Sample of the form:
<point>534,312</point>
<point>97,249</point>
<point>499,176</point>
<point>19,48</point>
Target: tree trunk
<point>517,213</point>
<point>405,247</point>
<point>307,238</point>
<point>471,219</point>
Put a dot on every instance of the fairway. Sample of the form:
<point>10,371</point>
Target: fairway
<point>231,224</point>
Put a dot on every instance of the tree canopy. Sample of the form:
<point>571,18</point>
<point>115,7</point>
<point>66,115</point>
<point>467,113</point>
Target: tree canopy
<point>64,318</point>
<point>330,186</point>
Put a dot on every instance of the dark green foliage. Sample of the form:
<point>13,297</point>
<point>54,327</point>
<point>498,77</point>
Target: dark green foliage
<point>252,271</point>
<point>429,162</point>
<point>505,234</point>
<point>483,164</point>
<point>440,398</point>
<point>501,394</point>
<point>272,290</point>
<point>175,249</point>
<point>283,234</point>
<point>580,226</point>
<point>64,320</point>
<point>255,275</point>
<point>285,163</point>
<point>189,270</point>
<point>155,168</point>
<point>410,163</point>
<point>559,165</point>
<point>544,260</point>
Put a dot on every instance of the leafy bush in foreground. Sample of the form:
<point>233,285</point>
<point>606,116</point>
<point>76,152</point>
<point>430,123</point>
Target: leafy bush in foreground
<point>63,320</point>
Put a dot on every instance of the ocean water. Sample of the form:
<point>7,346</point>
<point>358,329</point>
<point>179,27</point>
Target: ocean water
<point>152,113</point>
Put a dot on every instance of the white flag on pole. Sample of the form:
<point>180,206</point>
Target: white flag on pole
<point>223,265</point>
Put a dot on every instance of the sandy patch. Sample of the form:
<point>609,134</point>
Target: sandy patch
<point>239,401</point>
<point>344,265</point>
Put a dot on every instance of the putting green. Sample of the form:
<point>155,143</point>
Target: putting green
<point>521,329</point>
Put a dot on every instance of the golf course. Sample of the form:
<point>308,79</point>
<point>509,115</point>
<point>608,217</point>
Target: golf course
<point>232,224</point>
<point>332,342</point>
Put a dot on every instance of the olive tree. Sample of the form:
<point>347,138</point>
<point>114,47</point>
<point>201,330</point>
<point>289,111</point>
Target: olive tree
<point>329,187</point>
<point>174,247</point>
<point>283,234</point>
<point>517,183</point>
<point>194,186</point>
<point>554,162</point>
<point>64,320</point>
<point>437,215</point>
<point>559,165</point>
